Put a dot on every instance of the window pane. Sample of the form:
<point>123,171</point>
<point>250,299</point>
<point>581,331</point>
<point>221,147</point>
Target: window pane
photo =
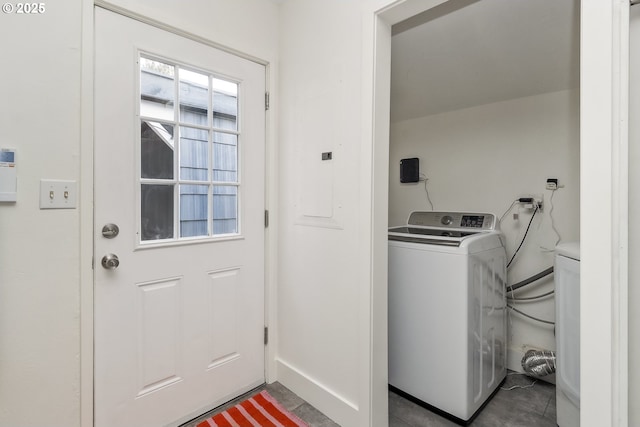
<point>225,209</point>
<point>156,89</point>
<point>189,153</point>
<point>156,150</point>
<point>156,212</point>
<point>194,155</point>
<point>194,97</point>
<point>225,104</point>
<point>225,157</point>
<point>193,210</point>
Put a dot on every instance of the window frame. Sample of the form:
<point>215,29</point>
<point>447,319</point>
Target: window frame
<point>177,181</point>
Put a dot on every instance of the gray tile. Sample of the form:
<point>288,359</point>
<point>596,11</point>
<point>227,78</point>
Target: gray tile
<point>313,417</point>
<point>520,407</point>
<point>531,399</point>
<point>415,415</point>
<point>513,418</point>
<point>550,412</point>
<point>329,423</point>
<point>397,422</point>
<point>284,396</point>
<point>541,386</point>
<point>529,407</point>
<point>295,404</point>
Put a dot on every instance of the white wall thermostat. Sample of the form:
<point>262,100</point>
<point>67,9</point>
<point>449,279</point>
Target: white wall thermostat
<point>8,176</point>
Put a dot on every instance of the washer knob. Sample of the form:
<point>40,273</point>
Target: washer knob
<point>447,220</point>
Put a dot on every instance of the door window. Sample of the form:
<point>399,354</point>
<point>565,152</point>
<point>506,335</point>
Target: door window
<point>189,136</point>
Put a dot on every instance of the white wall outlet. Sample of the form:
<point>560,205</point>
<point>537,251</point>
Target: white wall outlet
<point>58,194</point>
<point>538,200</point>
<point>532,201</point>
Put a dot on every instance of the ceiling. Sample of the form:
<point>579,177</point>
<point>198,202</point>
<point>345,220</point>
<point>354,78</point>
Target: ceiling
<point>465,53</point>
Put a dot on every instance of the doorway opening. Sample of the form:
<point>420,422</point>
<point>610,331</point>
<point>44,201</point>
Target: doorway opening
<point>486,95</point>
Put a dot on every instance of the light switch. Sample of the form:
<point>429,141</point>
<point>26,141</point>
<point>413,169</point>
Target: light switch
<point>58,194</point>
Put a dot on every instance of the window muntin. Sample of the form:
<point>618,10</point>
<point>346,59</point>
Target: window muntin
<point>189,138</point>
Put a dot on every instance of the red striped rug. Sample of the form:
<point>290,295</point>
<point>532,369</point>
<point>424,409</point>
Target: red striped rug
<point>261,410</point>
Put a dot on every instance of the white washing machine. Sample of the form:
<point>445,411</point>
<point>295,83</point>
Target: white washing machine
<point>447,311</point>
<point>567,281</point>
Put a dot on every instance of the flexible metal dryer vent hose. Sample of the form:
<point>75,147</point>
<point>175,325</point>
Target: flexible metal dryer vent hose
<point>539,363</point>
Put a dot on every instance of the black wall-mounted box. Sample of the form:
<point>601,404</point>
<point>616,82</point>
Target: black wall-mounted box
<point>410,170</point>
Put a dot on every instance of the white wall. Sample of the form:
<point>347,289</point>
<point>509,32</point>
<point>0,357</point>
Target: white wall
<point>39,249</point>
<point>324,306</point>
<point>481,159</point>
<point>42,279</point>
<point>248,26</point>
<point>634,213</point>
<point>318,284</point>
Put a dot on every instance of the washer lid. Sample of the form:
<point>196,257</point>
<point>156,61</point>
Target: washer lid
<point>569,250</point>
<point>424,231</point>
<point>431,236</point>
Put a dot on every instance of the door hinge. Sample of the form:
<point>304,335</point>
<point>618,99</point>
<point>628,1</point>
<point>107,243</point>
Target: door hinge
<point>266,100</point>
<point>266,335</point>
<point>266,218</point>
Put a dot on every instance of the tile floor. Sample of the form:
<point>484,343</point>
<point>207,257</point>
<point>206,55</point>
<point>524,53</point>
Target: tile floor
<point>520,407</point>
<point>287,398</point>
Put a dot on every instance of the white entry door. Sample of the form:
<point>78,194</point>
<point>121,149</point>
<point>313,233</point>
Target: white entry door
<point>179,218</point>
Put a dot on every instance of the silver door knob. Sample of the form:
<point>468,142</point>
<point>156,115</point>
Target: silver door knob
<point>110,261</point>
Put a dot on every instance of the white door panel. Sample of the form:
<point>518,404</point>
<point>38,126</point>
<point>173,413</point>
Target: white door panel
<point>179,323</point>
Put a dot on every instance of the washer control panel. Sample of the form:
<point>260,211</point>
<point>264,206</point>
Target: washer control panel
<point>473,221</point>
<point>447,220</point>
<point>478,221</point>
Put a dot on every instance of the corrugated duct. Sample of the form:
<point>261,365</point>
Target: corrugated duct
<point>539,363</point>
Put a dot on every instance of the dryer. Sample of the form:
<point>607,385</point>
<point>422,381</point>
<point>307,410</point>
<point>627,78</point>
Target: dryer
<point>567,281</point>
<point>447,311</point>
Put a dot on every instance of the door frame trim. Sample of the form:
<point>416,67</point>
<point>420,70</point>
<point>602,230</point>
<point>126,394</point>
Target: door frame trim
<point>86,200</point>
<point>86,216</point>
<point>175,30</point>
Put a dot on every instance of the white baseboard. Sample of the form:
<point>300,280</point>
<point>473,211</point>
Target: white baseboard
<point>332,404</point>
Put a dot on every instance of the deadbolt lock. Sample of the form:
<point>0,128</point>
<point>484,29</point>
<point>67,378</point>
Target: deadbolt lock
<point>110,231</point>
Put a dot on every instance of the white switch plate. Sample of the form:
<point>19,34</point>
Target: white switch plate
<point>58,194</point>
